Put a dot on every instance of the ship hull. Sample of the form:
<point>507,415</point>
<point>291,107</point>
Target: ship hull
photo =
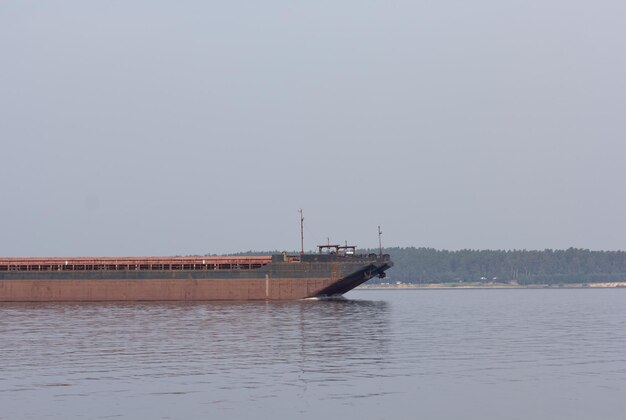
<point>277,280</point>
<point>84,290</point>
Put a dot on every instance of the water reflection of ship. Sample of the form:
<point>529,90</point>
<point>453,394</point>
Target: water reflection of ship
<point>341,340</point>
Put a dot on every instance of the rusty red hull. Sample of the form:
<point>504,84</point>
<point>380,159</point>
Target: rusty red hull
<point>278,277</point>
<point>159,290</point>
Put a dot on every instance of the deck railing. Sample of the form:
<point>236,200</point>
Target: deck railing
<point>133,263</point>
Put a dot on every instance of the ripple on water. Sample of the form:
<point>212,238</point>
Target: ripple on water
<point>386,352</point>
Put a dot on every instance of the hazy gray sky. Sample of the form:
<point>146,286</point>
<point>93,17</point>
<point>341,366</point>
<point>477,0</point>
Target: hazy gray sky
<point>189,127</point>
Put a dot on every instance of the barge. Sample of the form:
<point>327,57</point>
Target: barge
<point>333,271</point>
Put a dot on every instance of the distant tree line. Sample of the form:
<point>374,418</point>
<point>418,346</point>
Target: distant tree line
<point>573,265</point>
<point>429,265</point>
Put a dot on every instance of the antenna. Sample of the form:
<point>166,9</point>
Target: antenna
<point>301,232</point>
<point>380,243</point>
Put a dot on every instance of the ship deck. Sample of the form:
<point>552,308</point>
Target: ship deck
<point>133,263</point>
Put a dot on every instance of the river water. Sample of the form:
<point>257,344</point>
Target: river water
<point>380,354</point>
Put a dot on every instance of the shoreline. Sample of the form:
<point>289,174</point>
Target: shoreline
<point>479,285</point>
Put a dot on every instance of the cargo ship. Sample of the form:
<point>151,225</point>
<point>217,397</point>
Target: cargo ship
<point>332,271</point>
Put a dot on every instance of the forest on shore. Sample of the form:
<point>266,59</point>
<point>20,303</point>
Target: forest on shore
<point>573,265</point>
<point>550,266</point>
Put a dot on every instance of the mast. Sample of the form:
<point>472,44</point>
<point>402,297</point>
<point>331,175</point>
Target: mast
<point>301,232</point>
<point>380,243</point>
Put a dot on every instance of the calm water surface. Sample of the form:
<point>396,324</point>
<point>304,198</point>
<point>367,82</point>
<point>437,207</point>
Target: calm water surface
<point>430,354</point>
